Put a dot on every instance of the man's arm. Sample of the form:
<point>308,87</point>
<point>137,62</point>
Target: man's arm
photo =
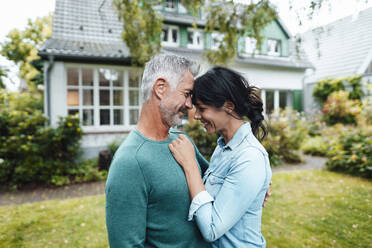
<point>126,203</point>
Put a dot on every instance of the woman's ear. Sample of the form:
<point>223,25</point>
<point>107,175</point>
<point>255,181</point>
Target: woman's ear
<point>229,107</point>
<point>160,88</point>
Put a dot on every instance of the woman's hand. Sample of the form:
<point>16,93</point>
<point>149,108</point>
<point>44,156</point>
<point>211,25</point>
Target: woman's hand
<point>183,151</point>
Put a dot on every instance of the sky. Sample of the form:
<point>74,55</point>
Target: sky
<point>15,13</point>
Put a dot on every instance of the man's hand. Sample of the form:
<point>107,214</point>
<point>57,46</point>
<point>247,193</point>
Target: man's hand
<point>268,194</point>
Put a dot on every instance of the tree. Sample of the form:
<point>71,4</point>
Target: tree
<point>2,74</point>
<point>21,48</point>
<point>143,25</point>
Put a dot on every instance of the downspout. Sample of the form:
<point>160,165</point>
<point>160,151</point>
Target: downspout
<point>49,68</point>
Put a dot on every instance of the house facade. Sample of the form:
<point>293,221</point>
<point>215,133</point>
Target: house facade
<point>340,49</point>
<point>88,71</point>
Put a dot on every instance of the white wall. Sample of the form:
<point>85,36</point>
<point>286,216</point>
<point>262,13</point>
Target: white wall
<point>58,97</point>
<point>266,77</point>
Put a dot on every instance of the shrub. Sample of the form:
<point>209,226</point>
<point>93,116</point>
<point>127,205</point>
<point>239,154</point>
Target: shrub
<point>314,123</point>
<point>204,142</point>
<point>286,134</point>
<point>324,88</point>
<point>340,109</point>
<point>114,146</point>
<point>32,152</point>
<point>354,156</point>
<point>315,146</point>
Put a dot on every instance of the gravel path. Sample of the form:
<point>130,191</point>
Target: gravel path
<point>97,188</point>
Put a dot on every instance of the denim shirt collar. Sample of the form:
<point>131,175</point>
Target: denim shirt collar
<point>238,137</point>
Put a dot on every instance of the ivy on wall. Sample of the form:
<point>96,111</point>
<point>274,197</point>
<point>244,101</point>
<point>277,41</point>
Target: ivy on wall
<point>326,87</point>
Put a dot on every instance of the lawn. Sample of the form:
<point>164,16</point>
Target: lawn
<point>307,209</point>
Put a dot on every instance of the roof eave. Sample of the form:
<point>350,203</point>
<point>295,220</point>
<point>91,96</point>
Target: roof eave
<point>85,58</point>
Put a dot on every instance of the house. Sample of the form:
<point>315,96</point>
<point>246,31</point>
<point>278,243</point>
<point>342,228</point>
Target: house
<point>88,70</point>
<point>340,49</point>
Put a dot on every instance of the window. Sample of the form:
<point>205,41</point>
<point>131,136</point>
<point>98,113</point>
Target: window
<point>269,104</point>
<point>250,45</point>
<point>273,47</point>
<point>194,39</point>
<point>217,39</point>
<point>170,36</point>
<point>170,5</point>
<point>283,99</point>
<point>104,97</point>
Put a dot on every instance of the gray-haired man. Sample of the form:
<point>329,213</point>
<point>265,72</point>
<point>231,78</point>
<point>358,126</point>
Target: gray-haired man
<point>147,198</point>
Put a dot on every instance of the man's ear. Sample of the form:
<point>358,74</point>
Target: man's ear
<point>229,107</point>
<point>160,88</point>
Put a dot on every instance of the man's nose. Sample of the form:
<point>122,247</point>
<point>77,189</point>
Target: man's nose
<point>188,103</point>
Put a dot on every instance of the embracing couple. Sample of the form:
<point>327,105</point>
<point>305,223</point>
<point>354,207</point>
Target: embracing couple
<point>161,192</point>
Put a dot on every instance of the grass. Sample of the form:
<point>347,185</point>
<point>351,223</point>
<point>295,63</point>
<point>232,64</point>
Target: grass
<point>307,209</point>
<point>318,209</point>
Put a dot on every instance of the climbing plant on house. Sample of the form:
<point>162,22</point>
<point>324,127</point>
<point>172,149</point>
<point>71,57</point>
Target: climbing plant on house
<point>324,88</point>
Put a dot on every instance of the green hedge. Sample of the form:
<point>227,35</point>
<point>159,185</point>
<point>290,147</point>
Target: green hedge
<point>354,156</point>
<point>32,152</point>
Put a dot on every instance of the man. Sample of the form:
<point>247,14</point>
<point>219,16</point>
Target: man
<point>147,198</point>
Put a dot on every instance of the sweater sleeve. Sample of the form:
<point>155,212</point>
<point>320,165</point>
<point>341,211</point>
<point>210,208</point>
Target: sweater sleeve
<point>126,203</point>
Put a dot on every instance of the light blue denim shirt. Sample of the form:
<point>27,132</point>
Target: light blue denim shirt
<point>229,213</point>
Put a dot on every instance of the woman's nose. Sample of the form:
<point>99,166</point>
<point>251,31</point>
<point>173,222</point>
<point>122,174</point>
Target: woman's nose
<point>197,115</point>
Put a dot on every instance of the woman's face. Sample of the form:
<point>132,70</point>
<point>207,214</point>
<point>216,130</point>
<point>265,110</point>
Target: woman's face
<point>214,120</point>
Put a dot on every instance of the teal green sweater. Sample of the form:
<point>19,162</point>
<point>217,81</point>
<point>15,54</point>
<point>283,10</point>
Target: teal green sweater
<point>147,198</point>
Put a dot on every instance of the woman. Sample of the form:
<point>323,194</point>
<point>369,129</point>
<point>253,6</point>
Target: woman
<point>227,202</point>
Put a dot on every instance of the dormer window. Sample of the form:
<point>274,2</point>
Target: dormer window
<point>273,47</point>
<point>170,36</point>
<point>250,45</point>
<point>170,5</point>
<point>194,39</point>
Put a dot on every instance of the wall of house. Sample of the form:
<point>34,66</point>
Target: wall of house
<point>267,77</point>
<point>93,141</point>
<point>58,93</point>
<point>274,79</point>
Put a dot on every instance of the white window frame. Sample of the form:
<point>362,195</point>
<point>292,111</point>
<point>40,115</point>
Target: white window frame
<point>271,47</point>
<point>216,36</point>
<point>276,99</point>
<point>169,30</point>
<point>250,46</point>
<point>171,9</point>
<point>194,45</point>
<point>96,127</point>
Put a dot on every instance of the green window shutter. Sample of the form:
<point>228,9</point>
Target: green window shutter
<point>207,40</point>
<point>297,100</point>
<point>183,36</point>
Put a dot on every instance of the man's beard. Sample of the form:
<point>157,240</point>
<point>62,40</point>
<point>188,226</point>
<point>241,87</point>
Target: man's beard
<point>170,117</point>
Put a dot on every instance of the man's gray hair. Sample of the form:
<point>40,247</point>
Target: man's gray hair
<point>168,66</point>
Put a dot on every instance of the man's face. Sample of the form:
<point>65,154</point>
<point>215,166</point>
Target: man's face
<point>178,101</point>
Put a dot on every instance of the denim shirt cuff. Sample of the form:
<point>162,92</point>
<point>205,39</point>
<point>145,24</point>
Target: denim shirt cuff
<point>199,200</point>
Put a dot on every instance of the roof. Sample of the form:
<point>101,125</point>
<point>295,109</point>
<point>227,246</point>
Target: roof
<point>342,48</point>
<point>91,30</point>
<point>86,28</point>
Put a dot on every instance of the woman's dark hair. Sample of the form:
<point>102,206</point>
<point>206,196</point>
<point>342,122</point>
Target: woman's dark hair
<point>220,85</point>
